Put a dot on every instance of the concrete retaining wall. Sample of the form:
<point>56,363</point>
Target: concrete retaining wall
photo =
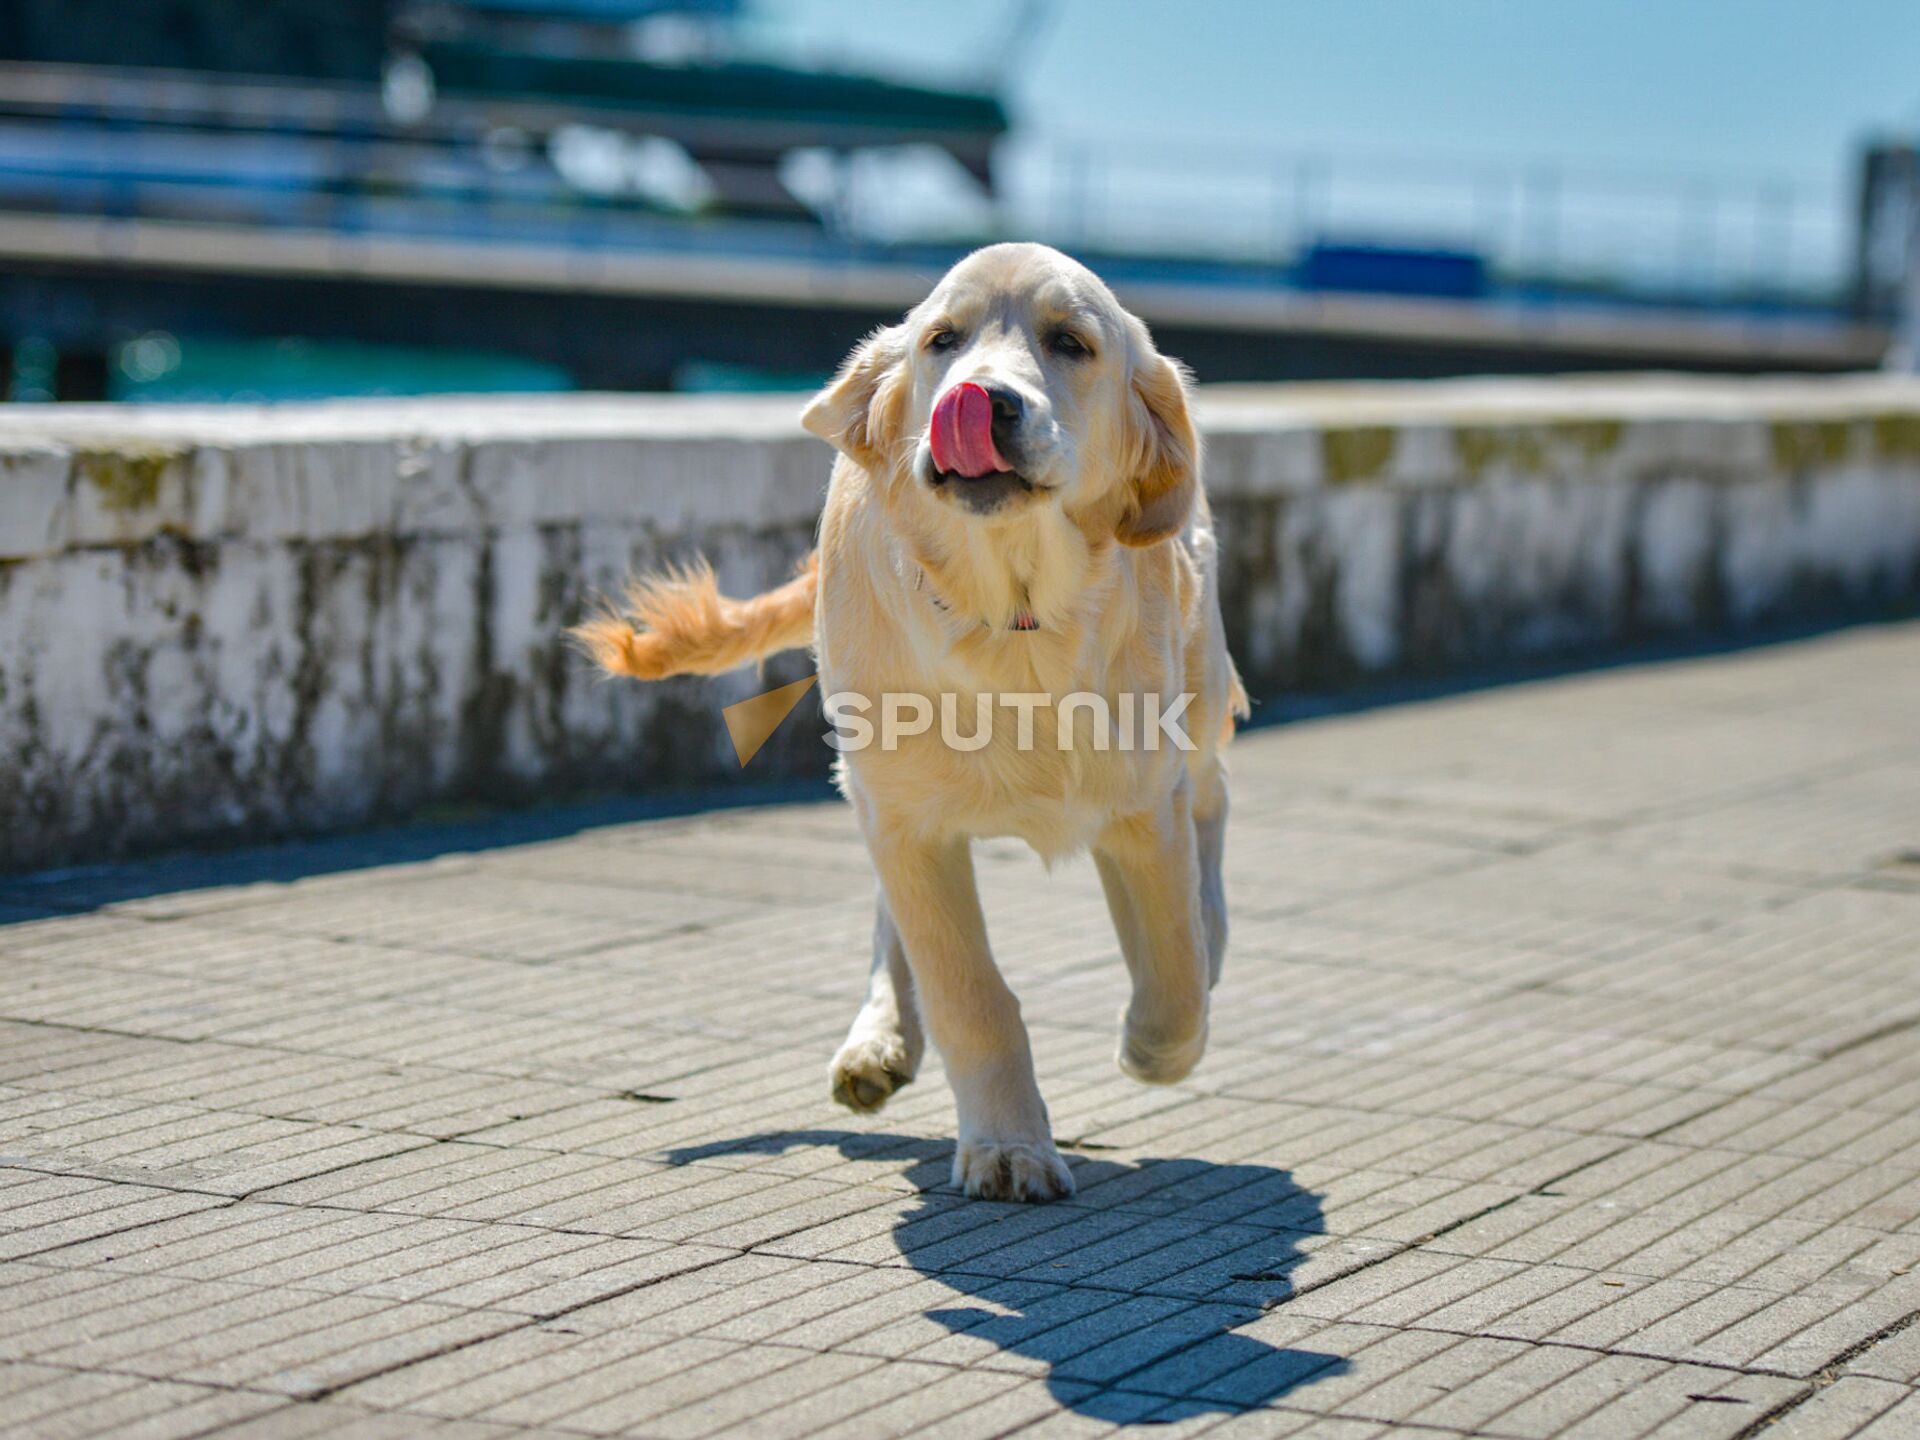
<point>218,624</point>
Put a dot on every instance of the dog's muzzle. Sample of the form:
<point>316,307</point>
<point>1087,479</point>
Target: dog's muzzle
<point>962,432</point>
<point>970,436</point>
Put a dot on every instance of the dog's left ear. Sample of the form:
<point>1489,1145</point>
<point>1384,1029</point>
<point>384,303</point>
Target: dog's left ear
<point>859,412</point>
<point>1163,453</point>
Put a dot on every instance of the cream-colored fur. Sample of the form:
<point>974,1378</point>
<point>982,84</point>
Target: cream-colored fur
<point>1112,553</point>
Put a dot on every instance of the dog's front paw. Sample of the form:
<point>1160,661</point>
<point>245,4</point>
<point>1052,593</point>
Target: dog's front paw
<point>1018,1170</point>
<point>868,1069</point>
<point>1158,1057</point>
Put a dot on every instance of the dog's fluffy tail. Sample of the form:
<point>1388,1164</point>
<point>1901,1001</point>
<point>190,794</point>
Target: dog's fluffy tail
<point>679,623</point>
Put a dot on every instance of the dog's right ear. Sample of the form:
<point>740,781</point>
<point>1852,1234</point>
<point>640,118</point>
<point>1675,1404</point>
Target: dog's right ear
<point>859,413</point>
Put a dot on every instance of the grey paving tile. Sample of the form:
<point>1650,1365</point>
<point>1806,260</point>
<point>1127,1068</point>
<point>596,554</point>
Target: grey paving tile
<point>180,1147</point>
<point>56,1403</point>
<point>1563,1083</point>
<point>1896,1420</point>
<point>1897,1357</point>
<point>1850,1406</point>
<point>211,1333</point>
<point>332,1420</point>
<point>40,1213</point>
<point>515,1268</point>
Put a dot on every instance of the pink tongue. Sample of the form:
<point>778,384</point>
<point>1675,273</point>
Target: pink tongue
<point>962,433</point>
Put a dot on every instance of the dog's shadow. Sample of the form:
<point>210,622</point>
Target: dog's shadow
<point>1128,1295</point>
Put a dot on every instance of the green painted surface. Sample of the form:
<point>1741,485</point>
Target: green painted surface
<point>1810,444</point>
<point>1357,453</point>
<point>127,475</point>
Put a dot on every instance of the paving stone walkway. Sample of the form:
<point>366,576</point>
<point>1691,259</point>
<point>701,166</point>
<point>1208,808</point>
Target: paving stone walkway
<point>1565,1081</point>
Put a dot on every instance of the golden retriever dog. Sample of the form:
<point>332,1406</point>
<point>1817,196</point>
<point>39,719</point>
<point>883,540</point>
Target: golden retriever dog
<point>1015,518</point>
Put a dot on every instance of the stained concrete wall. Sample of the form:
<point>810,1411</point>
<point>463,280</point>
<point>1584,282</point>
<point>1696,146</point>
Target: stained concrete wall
<point>217,624</point>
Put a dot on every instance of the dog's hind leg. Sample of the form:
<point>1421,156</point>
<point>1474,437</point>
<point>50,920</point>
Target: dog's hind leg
<point>883,1049</point>
<point>1151,869</point>
<point>1210,839</point>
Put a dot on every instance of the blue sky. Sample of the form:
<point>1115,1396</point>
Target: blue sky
<point>1757,86</point>
<point>1731,92</point>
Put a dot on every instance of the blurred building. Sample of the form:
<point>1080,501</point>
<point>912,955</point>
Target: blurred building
<point>520,128</point>
<point>228,199</point>
<point>1887,258</point>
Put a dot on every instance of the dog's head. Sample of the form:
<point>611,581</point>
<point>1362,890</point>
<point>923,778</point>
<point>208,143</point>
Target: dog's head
<point>1020,383</point>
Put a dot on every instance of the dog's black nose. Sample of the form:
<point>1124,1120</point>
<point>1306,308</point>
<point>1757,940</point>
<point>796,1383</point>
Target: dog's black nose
<point>1008,411</point>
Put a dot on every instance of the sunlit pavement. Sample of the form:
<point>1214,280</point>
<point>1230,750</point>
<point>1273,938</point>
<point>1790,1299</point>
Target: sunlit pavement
<point>1565,1080</point>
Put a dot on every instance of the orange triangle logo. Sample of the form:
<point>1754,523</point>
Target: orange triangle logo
<point>752,722</point>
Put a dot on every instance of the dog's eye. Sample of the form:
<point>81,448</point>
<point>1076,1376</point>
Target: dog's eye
<point>1069,345</point>
<point>943,340</point>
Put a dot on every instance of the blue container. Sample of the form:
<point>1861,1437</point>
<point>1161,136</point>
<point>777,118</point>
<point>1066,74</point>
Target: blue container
<point>1394,270</point>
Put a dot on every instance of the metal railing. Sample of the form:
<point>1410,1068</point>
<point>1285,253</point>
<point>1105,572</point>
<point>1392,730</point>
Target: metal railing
<point>1706,236</point>
<point>271,154</point>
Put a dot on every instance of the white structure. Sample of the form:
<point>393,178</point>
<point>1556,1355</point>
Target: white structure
<point>216,623</point>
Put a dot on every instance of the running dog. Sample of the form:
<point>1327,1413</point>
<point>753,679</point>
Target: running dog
<point>1016,509</point>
